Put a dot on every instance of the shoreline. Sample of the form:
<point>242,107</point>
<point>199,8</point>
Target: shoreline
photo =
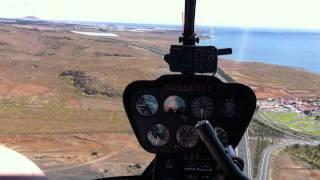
<point>272,64</point>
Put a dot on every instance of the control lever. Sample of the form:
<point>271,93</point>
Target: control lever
<point>210,138</point>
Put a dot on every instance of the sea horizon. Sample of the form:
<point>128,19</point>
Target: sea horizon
<point>297,48</point>
<point>291,47</point>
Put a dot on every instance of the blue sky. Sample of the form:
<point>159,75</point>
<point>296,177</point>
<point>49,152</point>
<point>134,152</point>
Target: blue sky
<point>245,13</point>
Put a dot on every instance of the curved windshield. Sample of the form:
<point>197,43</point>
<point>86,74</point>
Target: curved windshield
<point>65,64</point>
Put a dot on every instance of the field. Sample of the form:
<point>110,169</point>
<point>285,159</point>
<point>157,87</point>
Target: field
<point>271,81</point>
<point>295,121</point>
<point>47,118</point>
<point>287,167</point>
<point>60,120</point>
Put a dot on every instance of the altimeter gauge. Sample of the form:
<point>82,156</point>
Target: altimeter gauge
<point>202,107</point>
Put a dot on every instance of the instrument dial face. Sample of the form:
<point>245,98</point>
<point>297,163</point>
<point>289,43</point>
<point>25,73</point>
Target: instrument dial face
<point>230,108</point>
<point>174,104</point>
<point>222,135</point>
<point>147,105</point>
<point>202,107</point>
<point>187,136</point>
<point>158,135</point>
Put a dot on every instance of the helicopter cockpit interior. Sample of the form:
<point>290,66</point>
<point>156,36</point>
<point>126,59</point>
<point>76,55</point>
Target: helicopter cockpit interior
<point>191,121</point>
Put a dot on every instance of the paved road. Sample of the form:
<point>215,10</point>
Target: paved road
<point>300,136</point>
<point>242,150</point>
<point>244,153</point>
<point>265,161</point>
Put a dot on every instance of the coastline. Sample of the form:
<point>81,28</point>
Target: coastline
<point>273,81</point>
<point>272,64</point>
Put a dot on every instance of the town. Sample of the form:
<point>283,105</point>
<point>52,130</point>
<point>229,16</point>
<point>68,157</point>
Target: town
<point>309,107</point>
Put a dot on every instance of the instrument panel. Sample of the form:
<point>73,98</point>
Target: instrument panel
<point>163,112</point>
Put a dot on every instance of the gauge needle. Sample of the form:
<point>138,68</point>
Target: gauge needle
<point>157,140</point>
<point>201,113</point>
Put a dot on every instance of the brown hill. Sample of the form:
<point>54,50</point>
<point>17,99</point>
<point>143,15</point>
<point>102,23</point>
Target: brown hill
<point>273,81</point>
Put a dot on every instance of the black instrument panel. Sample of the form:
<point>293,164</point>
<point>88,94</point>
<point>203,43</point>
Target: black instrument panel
<point>163,112</point>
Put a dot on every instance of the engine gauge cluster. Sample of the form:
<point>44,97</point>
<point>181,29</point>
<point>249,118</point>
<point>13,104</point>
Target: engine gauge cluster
<point>163,112</point>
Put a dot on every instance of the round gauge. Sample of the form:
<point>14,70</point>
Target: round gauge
<point>202,107</point>
<point>187,136</point>
<point>147,105</point>
<point>230,108</point>
<point>222,135</point>
<point>158,135</point>
<point>174,104</point>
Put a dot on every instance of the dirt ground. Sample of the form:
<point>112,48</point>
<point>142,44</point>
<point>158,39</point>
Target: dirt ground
<point>55,152</point>
<point>51,122</point>
<point>10,88</point>
<point>286,167</point>
<point>271,81</point>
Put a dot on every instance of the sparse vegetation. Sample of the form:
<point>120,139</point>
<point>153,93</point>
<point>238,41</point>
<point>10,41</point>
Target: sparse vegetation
<point>42,113</point>
<point>273,81</point>
<point>309,154</point>
<point>264,136</point>
<point>257,129</point>
<point>101,54</point>
<point>3,44</point>
<point>88,85</point>
<point>261,144</point>
<point>37,57</point>
<point>45,120</point>
<point>295,121</point>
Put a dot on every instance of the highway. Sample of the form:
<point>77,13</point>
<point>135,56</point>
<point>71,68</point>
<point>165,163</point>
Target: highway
<point>243,150</point>
<point>300,136</point>
<point>298,139</point>
<point>265,161</point>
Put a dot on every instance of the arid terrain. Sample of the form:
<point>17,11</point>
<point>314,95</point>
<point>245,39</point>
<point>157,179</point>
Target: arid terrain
<point>271,81</point>
<point>287,167</point>
<point>61,120</point>
<point>47,118</point>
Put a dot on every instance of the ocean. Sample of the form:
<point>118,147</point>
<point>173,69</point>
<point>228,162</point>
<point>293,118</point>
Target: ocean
<point>289,47</point>
<point>295,48</point>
